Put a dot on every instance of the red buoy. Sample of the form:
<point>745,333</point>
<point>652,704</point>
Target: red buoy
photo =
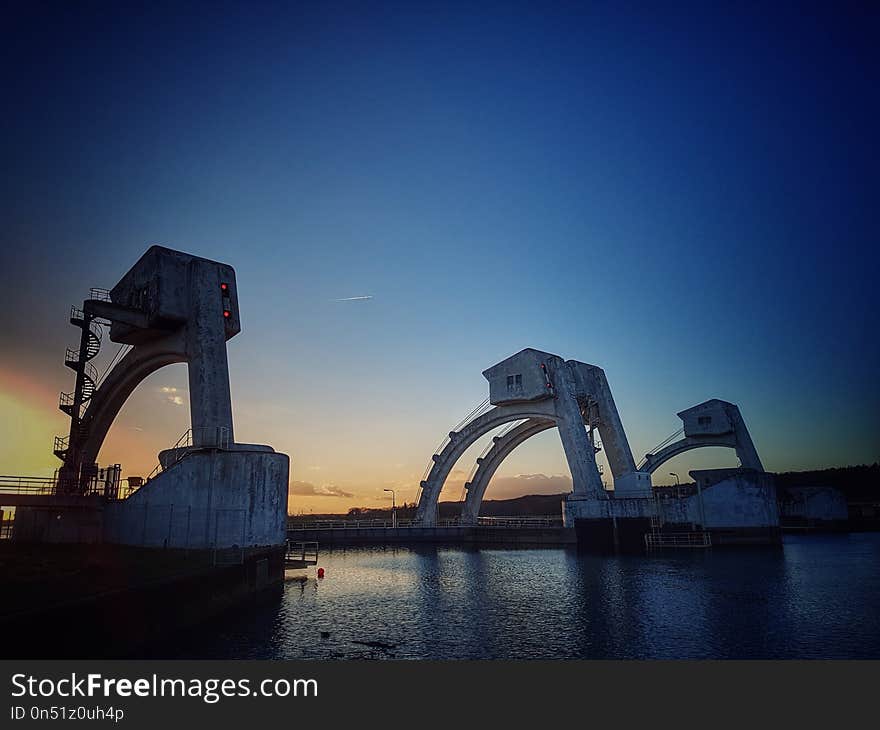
<point>320,572</point>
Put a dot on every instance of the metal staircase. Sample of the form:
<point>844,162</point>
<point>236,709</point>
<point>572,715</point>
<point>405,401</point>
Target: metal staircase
<point>75,402</point>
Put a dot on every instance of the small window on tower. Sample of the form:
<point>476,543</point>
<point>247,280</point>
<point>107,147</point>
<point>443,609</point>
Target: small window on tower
<point>518,382</point>
<point>510,384</point>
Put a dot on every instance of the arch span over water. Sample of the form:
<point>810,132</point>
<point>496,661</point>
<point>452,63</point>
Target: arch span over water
<point>460,441</point>
<point>488,465</point>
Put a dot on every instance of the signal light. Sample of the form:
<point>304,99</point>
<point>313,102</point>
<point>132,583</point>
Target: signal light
<point>226,314</point>
<point>224,287</point>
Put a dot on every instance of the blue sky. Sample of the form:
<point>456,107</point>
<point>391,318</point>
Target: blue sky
<point>686,196</point>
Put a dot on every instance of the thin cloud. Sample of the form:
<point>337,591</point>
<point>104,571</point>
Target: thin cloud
<point>364,298</point>
<point>172,395</point>
<point>311,490</point>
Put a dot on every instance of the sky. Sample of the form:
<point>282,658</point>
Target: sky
<point>685,195</point>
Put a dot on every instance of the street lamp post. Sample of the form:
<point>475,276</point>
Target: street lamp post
<point>677,480</point>
<point>393,508</point>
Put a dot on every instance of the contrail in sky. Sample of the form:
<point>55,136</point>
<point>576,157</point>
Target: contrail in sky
<point>354,299</point>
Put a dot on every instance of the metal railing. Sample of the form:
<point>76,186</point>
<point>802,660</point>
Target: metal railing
<point>303,552</point>
<point>27,485</point>
<point>48,486</point>
<point>655,540</point>
<point>528,523</point>
<point>99,295</point>
<point>346,524</point>
<point>517,522</point>
<point>72,356</point>
<point>220,440</point>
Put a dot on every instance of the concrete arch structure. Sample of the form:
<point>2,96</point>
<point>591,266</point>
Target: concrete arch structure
<point>459,442</point>
<point>171,307</point>
<point>545,391</point>
<point>680,447</point>
<point>211,492</point>
<point>711,423</point>
<point>487,465</point>
<point>138,364</point>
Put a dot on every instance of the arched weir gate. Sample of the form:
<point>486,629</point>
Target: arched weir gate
<point>533,392</point>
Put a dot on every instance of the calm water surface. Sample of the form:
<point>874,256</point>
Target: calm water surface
<point>816,597</point>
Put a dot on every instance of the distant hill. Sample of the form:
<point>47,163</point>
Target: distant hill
<point>529,504</point>
<point>858,483</point>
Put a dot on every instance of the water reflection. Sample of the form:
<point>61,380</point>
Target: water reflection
<point>815,597</point>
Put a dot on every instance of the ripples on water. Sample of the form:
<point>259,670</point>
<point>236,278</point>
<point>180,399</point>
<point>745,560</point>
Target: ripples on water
<point>816,597</point>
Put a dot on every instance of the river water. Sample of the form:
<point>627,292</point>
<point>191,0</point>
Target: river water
<point>818,596</point>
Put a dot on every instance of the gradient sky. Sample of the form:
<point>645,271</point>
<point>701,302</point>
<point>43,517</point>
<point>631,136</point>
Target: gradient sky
<point>686,196</point>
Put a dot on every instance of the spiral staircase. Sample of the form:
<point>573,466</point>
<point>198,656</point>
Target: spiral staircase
<point>75,403</point>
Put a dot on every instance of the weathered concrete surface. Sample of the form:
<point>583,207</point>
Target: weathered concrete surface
<point>460,441</point>
<point>600,410</point>
<point>209,499</point>
<point>169,457</point>
<point>528,385</point>
<point>712,423</point>
<point>51,519</point>
<point>532,378</point>
<point>726,501</point>
<point>209,396</point>
<point>520,378</point>
<point>733,498</point>
<point>172,307</point>
<point>545,391</point>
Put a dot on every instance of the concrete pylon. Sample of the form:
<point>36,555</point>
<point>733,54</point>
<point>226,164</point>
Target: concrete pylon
<point>170,307</point>
<point>579,451</point>
<point>210,399</point>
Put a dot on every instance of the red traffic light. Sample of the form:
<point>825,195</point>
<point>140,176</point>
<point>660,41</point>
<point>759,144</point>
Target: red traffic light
<point>227,314</point>
<point>224,287</point>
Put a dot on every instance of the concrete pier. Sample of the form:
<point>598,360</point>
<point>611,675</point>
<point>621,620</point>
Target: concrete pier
<point>210,492</point>
<point>734,506</point>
